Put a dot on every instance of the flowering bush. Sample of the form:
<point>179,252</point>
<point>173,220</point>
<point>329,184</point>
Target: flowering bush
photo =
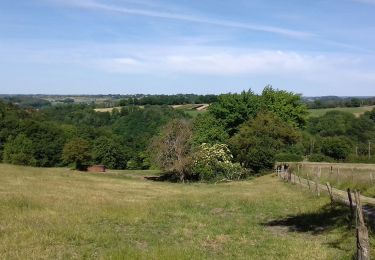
<point>213,162</point>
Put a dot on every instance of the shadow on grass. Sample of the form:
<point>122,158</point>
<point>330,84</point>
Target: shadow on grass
<point>171,177</point>
<point>326,219</point>
<point>166,177</point>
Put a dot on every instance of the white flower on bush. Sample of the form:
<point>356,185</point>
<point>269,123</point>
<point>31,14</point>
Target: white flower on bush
<point>213,161</point>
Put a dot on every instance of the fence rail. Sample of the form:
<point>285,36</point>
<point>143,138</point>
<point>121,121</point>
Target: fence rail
<point>339,196</point>
<point>336,195</point>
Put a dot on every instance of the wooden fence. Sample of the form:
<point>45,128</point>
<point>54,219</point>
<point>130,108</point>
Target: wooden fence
<point>362,175</point>
<point>358,211</point>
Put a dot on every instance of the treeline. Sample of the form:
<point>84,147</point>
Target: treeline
<point>103,101</point>
<point>158,136</point>
<point>240,134</point>
<point>340,136</point>
<point>24,101</point>
<point>118,140</point>
<point>178,99</point>
<point>333,102</point>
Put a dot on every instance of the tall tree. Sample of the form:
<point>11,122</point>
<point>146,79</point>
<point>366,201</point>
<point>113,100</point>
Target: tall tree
<point>77,151</point>
<point>286,105</point>
<point>234,109</point>
<point>207,129</point>
<point>108,152</point>
<point>259,139</point>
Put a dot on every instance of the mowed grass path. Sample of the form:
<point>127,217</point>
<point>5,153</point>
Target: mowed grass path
<point>62,214</point>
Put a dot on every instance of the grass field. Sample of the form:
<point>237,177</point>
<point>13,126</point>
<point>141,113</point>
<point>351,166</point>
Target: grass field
<point>62,214</point>
<point>109,109</point>
<point>357,111</point>
<point>192,109</point>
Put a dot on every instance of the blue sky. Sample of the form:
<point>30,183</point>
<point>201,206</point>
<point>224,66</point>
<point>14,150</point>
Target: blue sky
<point>320,47</point>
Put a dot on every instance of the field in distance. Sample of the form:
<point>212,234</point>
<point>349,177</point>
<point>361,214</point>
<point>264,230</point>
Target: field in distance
<point>196,109</point>
<point>357,111</point>
<point>63,214</point>
<point>191,109</point>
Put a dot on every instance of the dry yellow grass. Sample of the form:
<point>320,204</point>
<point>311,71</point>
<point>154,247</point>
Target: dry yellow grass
<point>341,175</point>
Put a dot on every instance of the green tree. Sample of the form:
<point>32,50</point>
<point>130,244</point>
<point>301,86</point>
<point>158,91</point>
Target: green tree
<point>333,123</point>
<point>108,152</point>
<point>234,109</point>
<point>207,129</point>
<point>260,139</point>
<point>77,151</point>
<point>337,147</point>
<point>139,126</point>
<point>286,105</point>
<point>48,141</point>
<point>19,151</point>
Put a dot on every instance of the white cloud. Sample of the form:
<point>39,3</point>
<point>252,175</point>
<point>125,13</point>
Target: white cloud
<point>334,71</point>
<point>326,70</point>
<point>215,61</point>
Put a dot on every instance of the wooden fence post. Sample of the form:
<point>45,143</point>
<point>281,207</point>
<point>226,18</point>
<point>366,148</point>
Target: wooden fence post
<point>363,242</point>
<point>317,187</point>
<point>308,181</point>
<point>329,188</point>
<point>351,204</point>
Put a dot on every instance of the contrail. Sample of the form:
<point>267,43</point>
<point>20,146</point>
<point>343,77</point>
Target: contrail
<point>194,19</point>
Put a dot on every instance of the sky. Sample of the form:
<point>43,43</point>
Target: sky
<point>316,48</point>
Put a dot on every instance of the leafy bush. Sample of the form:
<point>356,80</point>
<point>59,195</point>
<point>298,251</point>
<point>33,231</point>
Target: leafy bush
<point>338,147</point>
<point>288,157</point>
<point>319,158</point>
<point>359,159</point>
<point>77,151</point>
<point>213,162</point>
<point>260,139</point>
<point>19,151</point>
<point>108,152</point>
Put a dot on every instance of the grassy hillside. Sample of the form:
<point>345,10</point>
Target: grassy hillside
<point>357,111</point>
<point>61,214</point>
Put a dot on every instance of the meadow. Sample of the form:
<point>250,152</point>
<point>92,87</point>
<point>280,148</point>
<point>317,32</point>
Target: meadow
<point>57,213</point>
<point>357,111</point>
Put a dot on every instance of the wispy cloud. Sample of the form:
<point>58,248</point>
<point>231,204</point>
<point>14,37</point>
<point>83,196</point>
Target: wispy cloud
<point>95,5</point>
<point>222,61</point>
